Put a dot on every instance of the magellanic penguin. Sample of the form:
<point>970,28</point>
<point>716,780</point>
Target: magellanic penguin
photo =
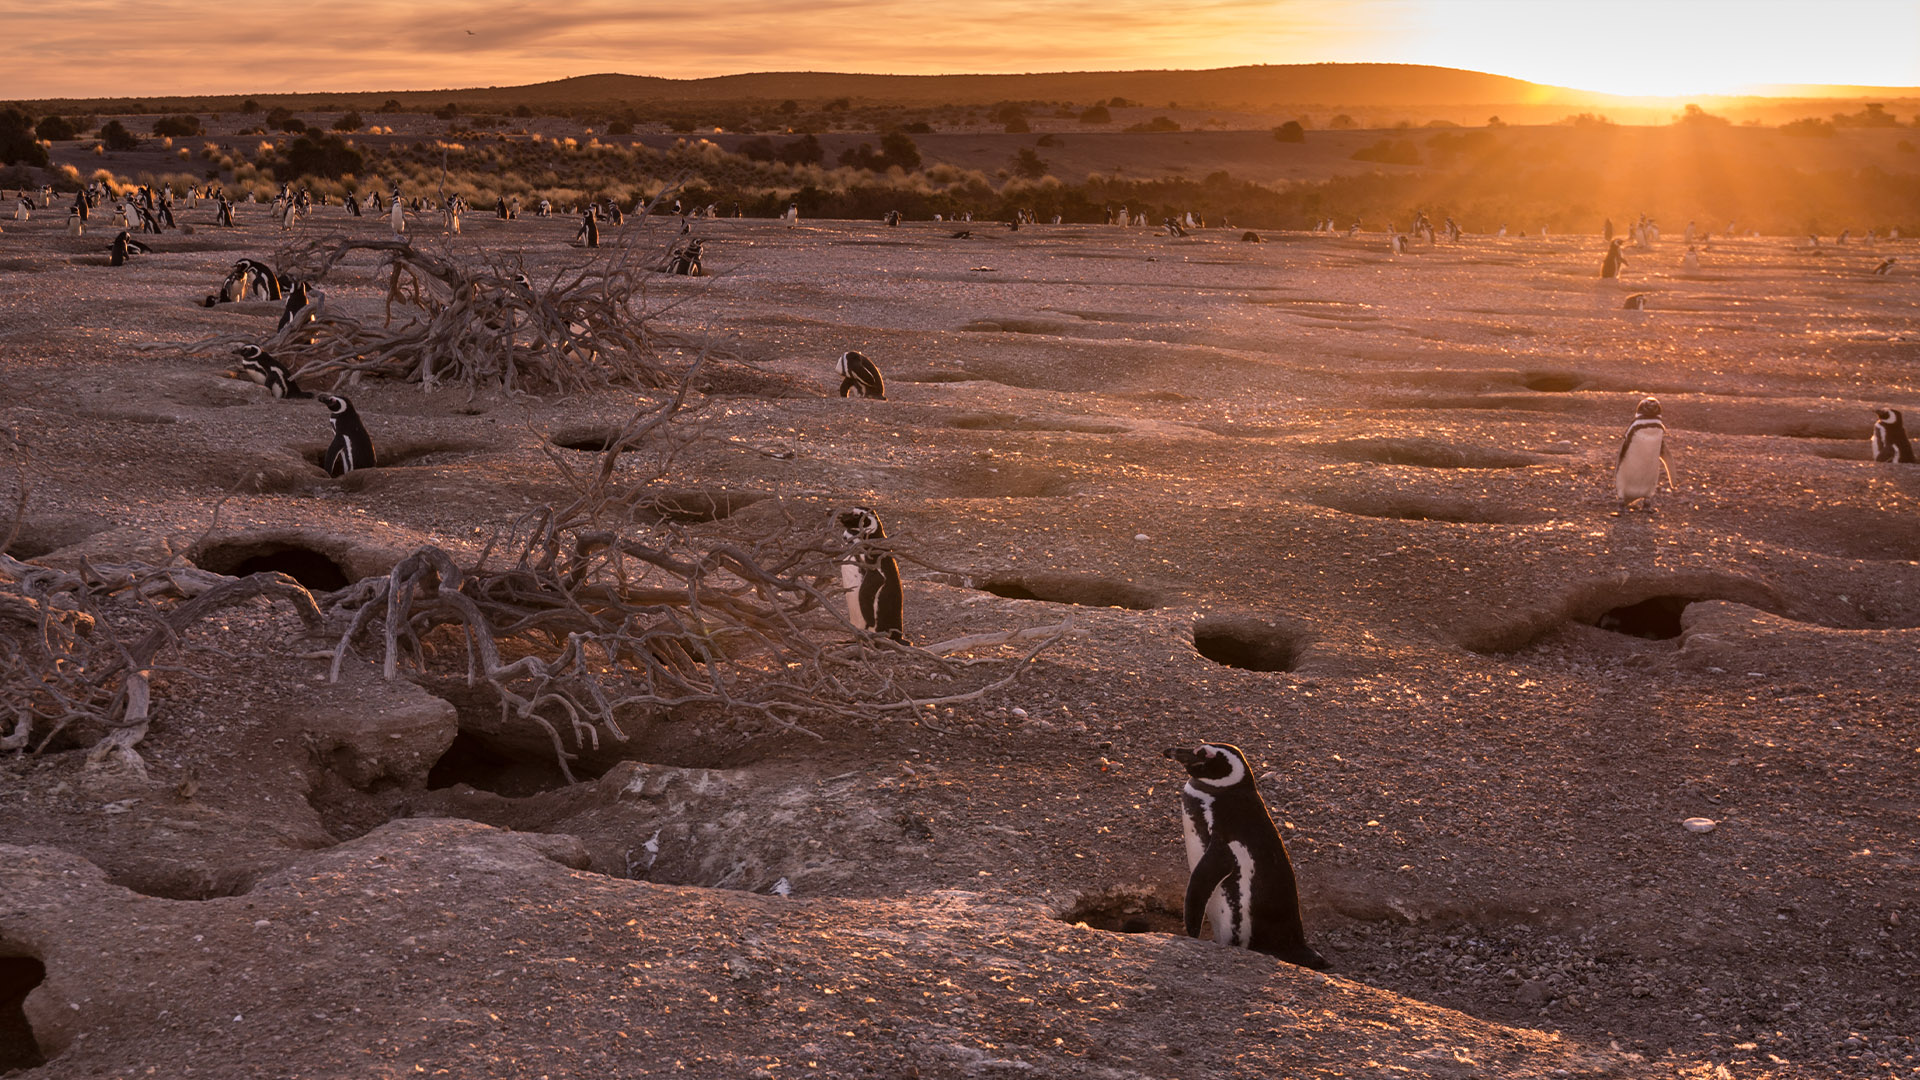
<point>871,577</point>
<point>125,247</point>
<point>262,368</point>
<point>1610,268</point>
<point>1240,876</point>
<point>860,376</point>
<point>1636,302</point>
<point>1886,267</point>
<point>1643,457</point>
<point>352,447</point>
<point>1890,437</point>
<point>297,301</point>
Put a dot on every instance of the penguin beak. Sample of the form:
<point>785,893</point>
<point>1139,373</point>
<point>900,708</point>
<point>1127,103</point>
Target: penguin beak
<point>1183,755</point>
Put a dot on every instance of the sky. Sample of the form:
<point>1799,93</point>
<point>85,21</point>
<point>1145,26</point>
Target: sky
<point>95,48</point>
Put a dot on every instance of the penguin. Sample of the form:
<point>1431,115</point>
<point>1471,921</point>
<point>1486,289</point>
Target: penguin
<point>860,376</point>
<point>871,577</point>
<point>262,368</point>
<point>352,447</point>
<point>1250,237</point>
<point>589,229</point>
<point>1890,437</point>
<point>1240,876</point>
<point>1643,457</point>
<point>297,301</point>
<point>125,247</point>
<point>398,216</point>
<point>76,225</point>
<point>1610,268</point>
<point>1690,263</point>
<point>1636,302</point>
<point>1886,267</point>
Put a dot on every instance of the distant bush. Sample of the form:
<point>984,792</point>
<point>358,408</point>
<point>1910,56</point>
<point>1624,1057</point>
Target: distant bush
<point>1290,132</point>
<point>1122,103</point>
<point>328,156</point>
<point>447,111</point>
<point>1903,146</point>
<point>1018,126</point>
<point>1158,123</point>
<point>804,150</point>
<point>1342,122</point>
<point>1811,127</point>
<point>1389,152</point>
<point>760,149</point>
<point>351,121</point>
<point>391,105</point>
<point>1047,140</point>
<point>55,128</point>
<point>18,144</point>
<point>522,112</point>
<point>1870,117</point>
<point>1097,115</point>
<point>182,125</point>
<point>623,127</point>
<point>1695,116</point>
<point>249,106</point>
<point>1495,122</point>
<point>1028,164</point>
<point>901,150</point>
<point>115,136</point>
<point>918,127</point>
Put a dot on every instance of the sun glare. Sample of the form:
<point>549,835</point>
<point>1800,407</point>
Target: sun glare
<point>1661,48</point>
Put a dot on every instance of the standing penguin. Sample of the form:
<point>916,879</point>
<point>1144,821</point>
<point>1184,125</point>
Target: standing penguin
<point>1614,261</point>
<point>399,216</point>
<point>262,368</point>
<point>1643,457</point>
<point>589,228</point>
<point>352,447</point>
<point>860,376</point>
<point>297,301</point>
<point>1890,437</point>
<point>1241,877</point>
<point>871,577</point>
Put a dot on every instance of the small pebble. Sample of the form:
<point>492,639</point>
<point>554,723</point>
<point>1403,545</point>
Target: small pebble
<point>1020,712</point>
<point>1699,824</point>
<point>1141,536</point>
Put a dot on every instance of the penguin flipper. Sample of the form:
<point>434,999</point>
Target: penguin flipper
<point>848,385</point>
<point>1208,873</point>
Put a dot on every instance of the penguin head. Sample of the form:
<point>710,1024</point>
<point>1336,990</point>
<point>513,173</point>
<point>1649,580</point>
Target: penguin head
<point>1890,417</point>
<point>336,406</point>
<point>861,523</point>
<point>1213,765</point>
<point>1648,409</point>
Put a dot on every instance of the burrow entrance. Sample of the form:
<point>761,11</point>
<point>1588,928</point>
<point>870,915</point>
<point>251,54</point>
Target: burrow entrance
<point>1248,643</point>
<point>1428,454</point>
<point>313,569</point>
<point>1410,507</point>
<point>1126,911</point>
<point>1083,589</point>
<point>474,761</point>
<point>18,1048</point>
<point>591,439</point>
<point>1551,382</point>
<point>1657,618</point>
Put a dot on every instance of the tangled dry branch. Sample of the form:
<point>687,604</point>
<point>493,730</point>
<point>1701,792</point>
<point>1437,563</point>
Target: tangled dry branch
<point>600,616</point>
<point>469,318</point>
<point>79,647</point>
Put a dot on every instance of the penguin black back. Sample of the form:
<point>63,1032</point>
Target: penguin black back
<point>1890,441</point>
<point>297,299</point>
<point>875,600</point>
<point>1241,876</point>
<point>861,376</point>
<point>352,447</point>
<point>262,368</point>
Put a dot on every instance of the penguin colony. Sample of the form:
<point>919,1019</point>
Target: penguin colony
<point>1241,880</point>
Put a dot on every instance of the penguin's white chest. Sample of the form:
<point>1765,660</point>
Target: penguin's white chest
<point>1639,470</point>
<point>850,576</point>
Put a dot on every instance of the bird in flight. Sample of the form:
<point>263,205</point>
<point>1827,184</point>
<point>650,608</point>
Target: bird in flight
<point>472,34</point>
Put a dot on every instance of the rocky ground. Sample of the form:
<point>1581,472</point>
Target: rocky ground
<point>1349,511</point>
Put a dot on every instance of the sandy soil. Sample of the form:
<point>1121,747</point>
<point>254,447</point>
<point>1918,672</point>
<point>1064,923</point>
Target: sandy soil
<point>1387,478</point>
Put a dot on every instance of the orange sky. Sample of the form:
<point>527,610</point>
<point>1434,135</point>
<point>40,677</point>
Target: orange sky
<point>101,47</point>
